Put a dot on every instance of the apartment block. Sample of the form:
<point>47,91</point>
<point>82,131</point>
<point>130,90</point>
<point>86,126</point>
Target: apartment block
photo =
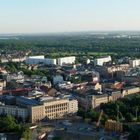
<point>66,60</point>
<point>35,59</point>
<point>102,60</point>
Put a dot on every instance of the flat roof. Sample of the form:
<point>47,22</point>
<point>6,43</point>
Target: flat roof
<point>27,101</point>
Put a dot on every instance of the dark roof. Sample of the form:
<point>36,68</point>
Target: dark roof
<point>44,88</point>
<point>26,101</point>
<point>52,92</point>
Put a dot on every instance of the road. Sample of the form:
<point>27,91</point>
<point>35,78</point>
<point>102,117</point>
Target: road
<point>34,135</point>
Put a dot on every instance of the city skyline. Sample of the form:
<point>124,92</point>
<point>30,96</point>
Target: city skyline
<point>49,16</point>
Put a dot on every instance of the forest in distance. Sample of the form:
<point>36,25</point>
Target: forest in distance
<point>78,44</point>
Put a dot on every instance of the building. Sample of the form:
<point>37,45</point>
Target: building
<point>66,60</point>
<point>73,106</point>
<point>113,95</point>
<point>56,108</point>
<point>90,76</point>
<point>25,102</point>
<point>132,75</point>
<point>59,108</point>
<point>40,59</point>
<point>53,108</point>
<point>19,77</point>
<point>36,113</point>
<point>97,87</point>
<point>131,90</point>
<point>99,99</point>
<point>47,107</point>
<point>50,61</point>
<point>87,61</point>
<point>57,79</point>
<point>113,71</point>
<point>35,59</point>
<point>94,99</point>
<point>2,84</point>
<point>102,60</point>
<point>112,125</point>
<point>15,111</point>
<point>65,85</point>
<point>18,59</point>
<point>4,60</point>
<point>134,63</point>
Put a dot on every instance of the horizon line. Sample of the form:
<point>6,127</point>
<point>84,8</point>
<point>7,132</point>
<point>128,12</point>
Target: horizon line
<point>68,32</point>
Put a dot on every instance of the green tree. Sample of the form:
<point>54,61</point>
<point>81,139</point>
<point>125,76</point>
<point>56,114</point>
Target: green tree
<point>129,117</point>
<point>26,133</point>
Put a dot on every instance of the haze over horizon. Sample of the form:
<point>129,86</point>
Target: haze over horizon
<point>50,16</point>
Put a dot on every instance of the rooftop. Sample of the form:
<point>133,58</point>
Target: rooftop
<point>26,101</point>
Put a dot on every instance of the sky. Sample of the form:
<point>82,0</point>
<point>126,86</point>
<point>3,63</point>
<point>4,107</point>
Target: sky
<point>45,16</point>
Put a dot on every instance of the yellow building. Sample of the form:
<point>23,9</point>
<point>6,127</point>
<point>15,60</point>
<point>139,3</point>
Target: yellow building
<point>98,99</point>
<point>56,109</point>
<point>105,98</point>
<point>53,109</point>
<point>60,107</point>
<point>37,113</point>
<point>132,90</point>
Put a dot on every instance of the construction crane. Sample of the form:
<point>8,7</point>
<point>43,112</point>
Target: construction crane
<point>115,125</point>
<point>99,120</point>
<point>119,113</point>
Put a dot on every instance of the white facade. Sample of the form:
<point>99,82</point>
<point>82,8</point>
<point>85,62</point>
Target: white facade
<point>4,60</point>
<point>66,60</point>
<point>14,110</point>
<point>101,61</point>
<point>40,59</point>
<point>134,63</point>
<point>57,79</point>
<point>20,59</point>
<point>35,59</point>
<point>49,61</point>
<point>35,93</point>
<point>65,85</point>
<point>88,61</point>
<point>2,84</point>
